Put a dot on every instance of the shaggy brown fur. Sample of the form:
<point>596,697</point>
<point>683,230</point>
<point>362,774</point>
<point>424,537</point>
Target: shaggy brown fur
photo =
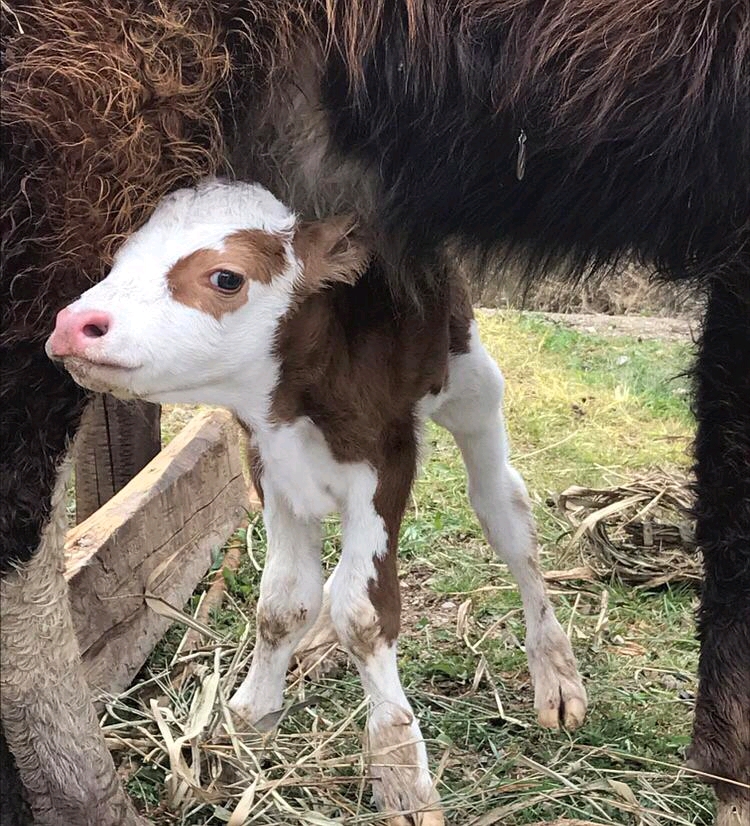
<point>612,95</point>
<point>135,96</point>
<point>569,130</point>
<point>108,107</point>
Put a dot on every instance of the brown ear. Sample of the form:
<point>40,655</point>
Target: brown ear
<point>332,250</point>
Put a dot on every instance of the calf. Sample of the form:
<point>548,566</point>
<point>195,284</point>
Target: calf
<point>224,298</point>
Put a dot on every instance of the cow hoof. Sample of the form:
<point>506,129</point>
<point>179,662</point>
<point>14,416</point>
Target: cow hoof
<point>733,813</point>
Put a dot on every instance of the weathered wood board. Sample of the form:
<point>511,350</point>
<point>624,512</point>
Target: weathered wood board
<point>155,536</point>
<point>116,440</point>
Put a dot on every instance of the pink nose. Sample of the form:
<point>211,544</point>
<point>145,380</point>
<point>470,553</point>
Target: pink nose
<point>75,332</point>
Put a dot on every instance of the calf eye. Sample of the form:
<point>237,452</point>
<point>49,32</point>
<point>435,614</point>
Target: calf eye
<point>226,281</point>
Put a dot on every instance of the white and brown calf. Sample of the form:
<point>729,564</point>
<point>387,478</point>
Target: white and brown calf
<point>224,298</point>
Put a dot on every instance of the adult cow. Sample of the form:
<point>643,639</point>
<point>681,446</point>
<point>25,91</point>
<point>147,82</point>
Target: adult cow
<point>568,131</point>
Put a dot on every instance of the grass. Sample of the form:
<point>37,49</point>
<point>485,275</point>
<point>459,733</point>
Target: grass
<point>581,409</point>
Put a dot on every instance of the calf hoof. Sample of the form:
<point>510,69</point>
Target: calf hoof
<point>246,718</point>
<point>733,813</point>
<point>559,695</point>
<point>431,818</point>
<point>411,812</point>
<point>401,783</point>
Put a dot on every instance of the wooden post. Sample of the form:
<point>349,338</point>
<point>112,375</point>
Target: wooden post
<point>153,542</point>
<point>117,440</point>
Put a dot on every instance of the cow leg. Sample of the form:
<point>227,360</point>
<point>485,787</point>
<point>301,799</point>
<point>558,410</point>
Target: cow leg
<point>290,597</point>
<point>47,716</point>
<point>721,730</point>
<point>471,409</point>
<point>14,809</point>
<point>365,610</point>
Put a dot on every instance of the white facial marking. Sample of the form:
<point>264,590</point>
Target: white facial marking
<point>181,354</point>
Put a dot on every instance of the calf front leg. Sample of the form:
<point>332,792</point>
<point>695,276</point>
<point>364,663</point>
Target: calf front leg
<point>365,611</point>
<point>290,597</point>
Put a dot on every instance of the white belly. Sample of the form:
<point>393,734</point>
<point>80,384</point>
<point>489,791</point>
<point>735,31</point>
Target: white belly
<point>299,465</point>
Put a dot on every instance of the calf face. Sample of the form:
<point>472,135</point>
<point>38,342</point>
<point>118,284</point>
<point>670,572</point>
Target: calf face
<point>190,308</point>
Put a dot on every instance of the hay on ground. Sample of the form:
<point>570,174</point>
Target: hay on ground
<point>642,531</point>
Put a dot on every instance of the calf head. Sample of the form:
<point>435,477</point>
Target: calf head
<point>190,309</point>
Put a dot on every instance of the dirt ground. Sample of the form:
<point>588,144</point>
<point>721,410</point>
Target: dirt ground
<point>639,327</point>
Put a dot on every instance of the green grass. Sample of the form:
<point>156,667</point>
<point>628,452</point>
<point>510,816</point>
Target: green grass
<point>581,409</point>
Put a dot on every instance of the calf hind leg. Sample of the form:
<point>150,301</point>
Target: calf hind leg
<point>471,409</point>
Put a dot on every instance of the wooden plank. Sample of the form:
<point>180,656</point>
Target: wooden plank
<point>117,439</point>
<point>157,535</point>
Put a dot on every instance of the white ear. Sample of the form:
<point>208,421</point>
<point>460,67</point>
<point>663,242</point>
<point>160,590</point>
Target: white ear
<point>331,251</point>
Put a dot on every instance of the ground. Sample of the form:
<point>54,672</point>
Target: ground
<point>633,326</point>
<point>583,408</point>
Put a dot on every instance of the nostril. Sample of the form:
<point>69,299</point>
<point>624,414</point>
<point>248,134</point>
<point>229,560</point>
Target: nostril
<point>95,330</point>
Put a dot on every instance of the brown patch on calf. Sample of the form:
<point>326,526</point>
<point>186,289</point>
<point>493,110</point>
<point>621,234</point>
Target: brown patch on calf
<point>273,628</point>
<point>385,593</point>
<point>357,364</point>
<point>254,254</point>
<point>263,252</point>
<point>395,477</point>
<point>461,316</point>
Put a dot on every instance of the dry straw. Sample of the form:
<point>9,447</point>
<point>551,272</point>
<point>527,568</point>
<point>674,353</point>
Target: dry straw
<point>311,771</point>
<point>641,531</point>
